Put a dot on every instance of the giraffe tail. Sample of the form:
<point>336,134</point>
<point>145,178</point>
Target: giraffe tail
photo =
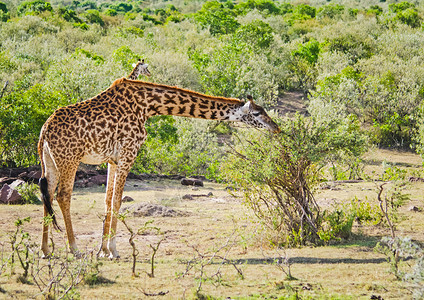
<point>45,197</point>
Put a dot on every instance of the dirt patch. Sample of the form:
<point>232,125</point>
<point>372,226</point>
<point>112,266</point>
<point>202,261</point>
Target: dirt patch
<point>290,103</point>
<point>153,210</point>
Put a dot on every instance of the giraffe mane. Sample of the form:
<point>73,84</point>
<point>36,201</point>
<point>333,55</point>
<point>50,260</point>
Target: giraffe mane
<point>117,81</point>
<point>174,88</point>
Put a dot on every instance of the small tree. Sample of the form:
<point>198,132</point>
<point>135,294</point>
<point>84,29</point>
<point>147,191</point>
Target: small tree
<point>277,173</point>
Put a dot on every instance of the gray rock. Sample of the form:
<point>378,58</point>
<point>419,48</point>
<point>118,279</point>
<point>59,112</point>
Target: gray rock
<point>10,196</point>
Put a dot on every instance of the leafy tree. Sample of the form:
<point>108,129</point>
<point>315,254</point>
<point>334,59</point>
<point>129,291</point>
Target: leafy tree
<point>409,17</point>
<point>353,44</point>
<point>110,12</point>
<point>222,69</point>
<point>399,7</point>
<point>87,4</point>
<point>93,16</point>
<point>302,64</point>
<point>178,146</point>
<point>353,12</point>
<point>218,17</point>
<point>277,173</point>
<point>91,55</point>
<point>122,7</point>
<point>82,25</point>
<point>331,11</point>
<point>305,10</point>
<point>69,15</point>
<point>257,34</point>
<point>301,13</point>
<point>286,8</point>
<point>375,9</point>
<point>125,56</point>
<point>22,115</point>
<point>265,6</point>
<point>308,51</point>
<point>3,7</point>
<point>4,13</point>
<point>34,7</point>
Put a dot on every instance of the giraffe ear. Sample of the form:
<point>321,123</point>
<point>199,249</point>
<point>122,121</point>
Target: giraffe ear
<point>134,65</point>
<point>246,107</point>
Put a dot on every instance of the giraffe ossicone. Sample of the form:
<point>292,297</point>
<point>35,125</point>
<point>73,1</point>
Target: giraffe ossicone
<point>110,128</point>
<point>140,68</point>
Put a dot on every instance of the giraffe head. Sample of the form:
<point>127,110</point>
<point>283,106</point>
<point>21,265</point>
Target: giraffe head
<point>141,68</point>
<point>254,115</point>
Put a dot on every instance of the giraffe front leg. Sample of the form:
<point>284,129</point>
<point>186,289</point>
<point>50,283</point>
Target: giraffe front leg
<point>104,249</point>
<point>121,176</point>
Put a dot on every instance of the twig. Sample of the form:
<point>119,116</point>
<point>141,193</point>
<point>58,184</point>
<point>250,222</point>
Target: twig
<point>153,294</point>
<point>155,250</point>
<point>4,89</point>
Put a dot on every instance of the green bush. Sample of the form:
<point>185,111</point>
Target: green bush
<point>399,7</point>
<point>336,225</point>
<point>302,65</point>
<point>302,12</point>
<point>218,17</point>
<point>3,7</point>
<point>409,17</point>
<point>82,26</point>
<point>93,56</point>
<point>308,51</point>
<point>179,146</point>
<point>88,4</point>
<point>375,9</point>
<point>22,115</point>
<point>257,34</point>
<point>122,7</point>
<point>331,11</point>
<point>93,17</point>
<point>110,12</point>
<point>277,174</point>
<point>29,193</point>
<point>34,7</point>
<point>267,7</point>
<point>69,15</point>
<point>4,13</point>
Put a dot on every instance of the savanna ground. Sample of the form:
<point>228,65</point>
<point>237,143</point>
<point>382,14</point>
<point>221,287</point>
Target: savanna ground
<point>203,225</point>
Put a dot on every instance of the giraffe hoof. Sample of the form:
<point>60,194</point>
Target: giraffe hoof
<point>77,254</point>
<point>114,256</point>
<point>103,253</point>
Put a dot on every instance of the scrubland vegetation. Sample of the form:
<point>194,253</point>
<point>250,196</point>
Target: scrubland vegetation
<point>359,65</point>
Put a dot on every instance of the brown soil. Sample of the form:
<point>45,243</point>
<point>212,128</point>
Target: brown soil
<point>290,103</point>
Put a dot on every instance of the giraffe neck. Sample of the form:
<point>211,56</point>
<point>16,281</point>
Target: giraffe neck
<point>155,99</point>
<point>133,75</point>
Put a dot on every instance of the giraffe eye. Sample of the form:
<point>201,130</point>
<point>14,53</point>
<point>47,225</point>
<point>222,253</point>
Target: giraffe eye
<point>256,114</point>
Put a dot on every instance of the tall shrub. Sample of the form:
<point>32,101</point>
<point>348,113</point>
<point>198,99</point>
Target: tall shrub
<point>277,174</point>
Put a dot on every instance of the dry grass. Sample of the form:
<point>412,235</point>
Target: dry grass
<point>348,271</point>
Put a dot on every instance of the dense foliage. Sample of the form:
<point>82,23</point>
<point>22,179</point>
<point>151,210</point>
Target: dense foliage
<point>351,59</point>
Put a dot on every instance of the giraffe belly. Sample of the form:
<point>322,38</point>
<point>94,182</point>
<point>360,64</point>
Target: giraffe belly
<point>93,159</point>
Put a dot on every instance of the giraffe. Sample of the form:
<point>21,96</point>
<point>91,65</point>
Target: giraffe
<point>110,128</point>
<point>139,68</point>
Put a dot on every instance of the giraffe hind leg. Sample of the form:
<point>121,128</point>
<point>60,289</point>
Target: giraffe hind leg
<point>64,193</point>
